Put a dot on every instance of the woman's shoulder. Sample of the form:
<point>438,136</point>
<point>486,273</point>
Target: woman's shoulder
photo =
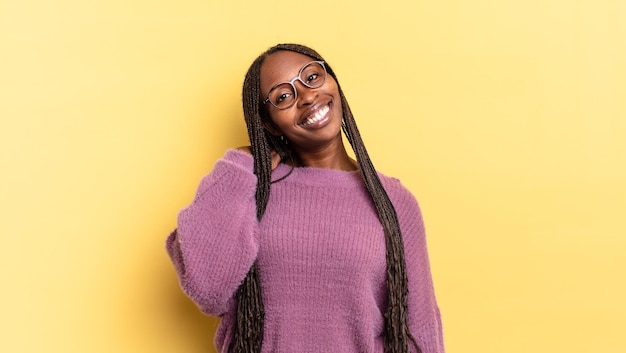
<point>393,184</point>
<point>397,191</point>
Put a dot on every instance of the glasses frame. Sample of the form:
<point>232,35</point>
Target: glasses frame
<point>293,80</point>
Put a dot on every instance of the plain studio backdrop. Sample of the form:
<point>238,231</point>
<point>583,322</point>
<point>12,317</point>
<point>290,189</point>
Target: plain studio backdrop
<point>507,120</point>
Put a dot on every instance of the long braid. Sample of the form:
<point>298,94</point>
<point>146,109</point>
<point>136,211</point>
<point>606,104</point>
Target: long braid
<point>248,337</point>
<point>397,334</point>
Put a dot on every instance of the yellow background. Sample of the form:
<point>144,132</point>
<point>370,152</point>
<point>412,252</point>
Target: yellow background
<point>507,119</point>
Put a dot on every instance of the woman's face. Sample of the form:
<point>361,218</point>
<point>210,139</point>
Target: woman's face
<point>313,122</point>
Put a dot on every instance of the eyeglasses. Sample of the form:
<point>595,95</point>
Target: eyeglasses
<point>284,94</point>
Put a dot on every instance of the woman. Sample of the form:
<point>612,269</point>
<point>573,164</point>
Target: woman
<point>296,246</point>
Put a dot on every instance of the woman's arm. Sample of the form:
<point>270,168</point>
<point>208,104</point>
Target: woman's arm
<point>424,316</point>
<point>215,243</point>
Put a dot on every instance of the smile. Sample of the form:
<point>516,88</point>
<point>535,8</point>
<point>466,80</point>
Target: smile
<point>318,116</point>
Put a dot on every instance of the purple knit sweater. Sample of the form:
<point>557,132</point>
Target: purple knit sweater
<point>321,257</point>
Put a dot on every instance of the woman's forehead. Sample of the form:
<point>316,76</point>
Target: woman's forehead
<point>281,66</point>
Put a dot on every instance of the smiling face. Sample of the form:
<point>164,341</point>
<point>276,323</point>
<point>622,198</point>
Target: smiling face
<point>313,122</point>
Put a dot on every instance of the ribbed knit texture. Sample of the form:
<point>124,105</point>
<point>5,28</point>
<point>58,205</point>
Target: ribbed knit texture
<point>320,251</point>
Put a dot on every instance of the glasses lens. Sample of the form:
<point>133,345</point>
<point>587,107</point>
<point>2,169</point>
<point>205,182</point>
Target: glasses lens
<point>313,75</point>
<point>282,96</point>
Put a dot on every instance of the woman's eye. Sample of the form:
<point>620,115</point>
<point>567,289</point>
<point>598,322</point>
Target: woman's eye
<point>282,97</point>
<point>312,77</point>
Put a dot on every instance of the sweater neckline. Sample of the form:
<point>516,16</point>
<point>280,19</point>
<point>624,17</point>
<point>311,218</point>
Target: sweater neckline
<point>313,176</point>
<point>318,176</point>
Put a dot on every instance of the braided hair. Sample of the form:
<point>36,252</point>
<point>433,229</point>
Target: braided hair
<point>248,336</point>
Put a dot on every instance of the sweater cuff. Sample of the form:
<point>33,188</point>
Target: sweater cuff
<point>236,168</point>
<point>239,158</point>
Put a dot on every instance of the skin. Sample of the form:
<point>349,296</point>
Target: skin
<point>316,145</point>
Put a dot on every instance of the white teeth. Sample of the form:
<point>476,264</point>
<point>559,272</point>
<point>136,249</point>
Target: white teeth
<point>319,115</point>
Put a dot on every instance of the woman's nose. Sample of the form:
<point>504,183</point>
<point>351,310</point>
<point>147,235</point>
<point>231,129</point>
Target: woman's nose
<point>306,95</point>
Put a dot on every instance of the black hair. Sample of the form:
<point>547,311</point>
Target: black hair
<point>248,335</point>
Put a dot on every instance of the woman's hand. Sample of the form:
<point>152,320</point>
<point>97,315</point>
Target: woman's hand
<point>275,156</point>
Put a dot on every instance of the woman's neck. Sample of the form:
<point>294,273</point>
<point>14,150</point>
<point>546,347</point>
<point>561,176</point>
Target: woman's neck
<point>331,156</point>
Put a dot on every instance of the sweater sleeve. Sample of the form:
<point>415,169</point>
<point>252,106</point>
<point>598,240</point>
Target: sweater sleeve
<point>424,316</point>
<point>216,243</point>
